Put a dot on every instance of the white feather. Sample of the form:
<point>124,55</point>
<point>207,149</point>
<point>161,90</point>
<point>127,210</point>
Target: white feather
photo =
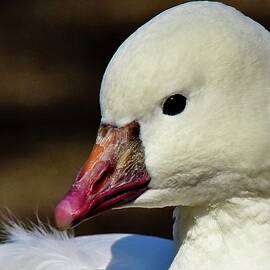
<point>40,248</point>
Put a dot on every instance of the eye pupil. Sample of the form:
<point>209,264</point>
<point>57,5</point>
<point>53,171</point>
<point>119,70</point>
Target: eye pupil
<point>174,104</point>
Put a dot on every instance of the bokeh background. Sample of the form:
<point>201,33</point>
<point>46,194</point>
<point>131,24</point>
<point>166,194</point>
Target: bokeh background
<point>52,57</point>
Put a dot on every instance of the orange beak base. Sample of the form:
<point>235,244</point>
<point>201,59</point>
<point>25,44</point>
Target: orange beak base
<point>113,175</point>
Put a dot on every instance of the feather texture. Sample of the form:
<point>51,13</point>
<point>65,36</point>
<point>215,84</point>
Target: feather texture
<point>42,248</point>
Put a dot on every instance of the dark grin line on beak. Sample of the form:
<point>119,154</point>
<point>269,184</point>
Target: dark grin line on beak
<point>115,197</point>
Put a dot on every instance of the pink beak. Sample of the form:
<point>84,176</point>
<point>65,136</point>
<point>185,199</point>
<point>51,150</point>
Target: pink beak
<point>113,175</point>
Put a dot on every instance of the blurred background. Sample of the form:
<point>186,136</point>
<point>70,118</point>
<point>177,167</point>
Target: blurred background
<point>52,57</point>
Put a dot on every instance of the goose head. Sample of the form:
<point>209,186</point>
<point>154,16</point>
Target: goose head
<point>185,116</point>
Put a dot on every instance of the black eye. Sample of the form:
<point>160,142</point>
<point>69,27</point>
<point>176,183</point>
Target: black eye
<point>174,104</point>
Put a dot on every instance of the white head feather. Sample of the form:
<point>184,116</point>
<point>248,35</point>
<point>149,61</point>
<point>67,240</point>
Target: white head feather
<point>219,147</point>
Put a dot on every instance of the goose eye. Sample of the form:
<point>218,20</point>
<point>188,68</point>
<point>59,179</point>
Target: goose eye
<point>174,104</point>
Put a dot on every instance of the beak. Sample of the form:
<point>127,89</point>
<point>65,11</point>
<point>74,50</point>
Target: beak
<point>113,175</point>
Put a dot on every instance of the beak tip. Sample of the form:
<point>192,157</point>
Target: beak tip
<point>63,216</point>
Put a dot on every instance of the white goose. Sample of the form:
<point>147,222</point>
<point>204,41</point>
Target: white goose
<point>185,107</point>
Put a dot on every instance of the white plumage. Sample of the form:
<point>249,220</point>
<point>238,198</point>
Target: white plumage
<point>212,161</point>
<point>48,249</point>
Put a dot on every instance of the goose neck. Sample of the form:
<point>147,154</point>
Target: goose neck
<point>232,235</point>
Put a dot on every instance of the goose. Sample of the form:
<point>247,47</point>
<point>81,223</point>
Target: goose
<point>185,105</point>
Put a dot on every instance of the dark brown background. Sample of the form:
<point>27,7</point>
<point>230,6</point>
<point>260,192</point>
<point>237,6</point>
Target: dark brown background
<point>52,57</point>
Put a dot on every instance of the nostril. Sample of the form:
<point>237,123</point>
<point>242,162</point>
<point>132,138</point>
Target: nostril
<point>103,171</point>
